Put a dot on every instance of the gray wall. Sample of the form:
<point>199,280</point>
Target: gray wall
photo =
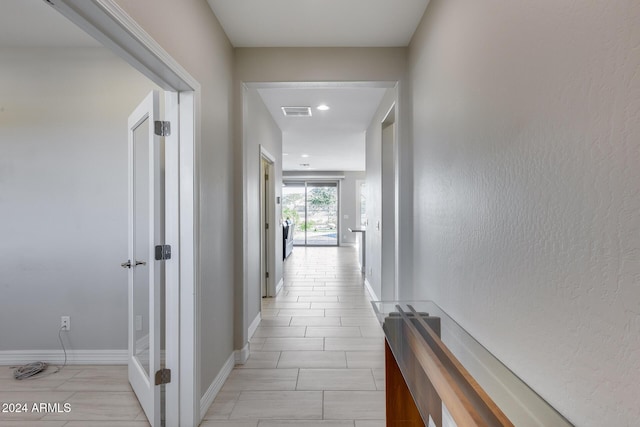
<point>64,197</point>
<point>189,31</point>
<point>527,181</point>
<point>320,64</point>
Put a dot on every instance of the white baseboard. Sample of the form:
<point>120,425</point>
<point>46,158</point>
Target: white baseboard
<point>279,285</point>
<point>253,326</point>
<point>241,356</point>
<point>74,357</point>
<point>216,385</point>
<point>372,294</point>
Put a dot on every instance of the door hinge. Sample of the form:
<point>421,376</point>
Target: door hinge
<point>266,226</point>
<point>163,252</point>
<point>162,128</point>
<point>267,274</point>
<point>163,376</point>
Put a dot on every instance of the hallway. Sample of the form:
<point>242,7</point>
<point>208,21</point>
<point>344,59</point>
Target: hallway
<point>317,358</point>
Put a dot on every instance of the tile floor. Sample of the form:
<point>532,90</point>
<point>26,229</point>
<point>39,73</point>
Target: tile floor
<point>99,396</point>
<point>317,358</point>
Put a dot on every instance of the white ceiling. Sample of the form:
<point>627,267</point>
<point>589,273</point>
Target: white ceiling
<point>315,23</point>
<point>33,23</point>
<point>334,140</point>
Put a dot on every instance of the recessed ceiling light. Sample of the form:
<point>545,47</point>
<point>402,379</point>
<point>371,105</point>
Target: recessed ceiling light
<point>304,155</point>
<point>323,107</point>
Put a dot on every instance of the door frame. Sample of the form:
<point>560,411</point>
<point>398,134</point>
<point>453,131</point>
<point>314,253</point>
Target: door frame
<point>267,237</point>
<point>116,30</point>
<point>390,209</point>
<point>244,322</point>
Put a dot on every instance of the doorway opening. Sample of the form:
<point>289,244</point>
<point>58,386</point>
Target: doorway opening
<point>267,223</point>
<point>125,38</point>
<point>322,155</point>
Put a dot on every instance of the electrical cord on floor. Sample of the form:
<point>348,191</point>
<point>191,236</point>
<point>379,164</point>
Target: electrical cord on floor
<point>31,371</point>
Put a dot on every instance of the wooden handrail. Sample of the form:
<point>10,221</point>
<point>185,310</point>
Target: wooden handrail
<point>466,401</point>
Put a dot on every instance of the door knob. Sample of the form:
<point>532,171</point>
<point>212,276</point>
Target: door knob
<point>126,264</point>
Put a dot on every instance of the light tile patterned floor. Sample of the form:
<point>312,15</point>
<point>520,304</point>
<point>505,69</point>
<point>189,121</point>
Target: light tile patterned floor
<point>99,396</point>
<point>317,358</point>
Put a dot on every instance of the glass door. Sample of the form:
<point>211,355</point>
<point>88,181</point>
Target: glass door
<point>313,208</point>
<point>322,214</point>
<point>146,201</point>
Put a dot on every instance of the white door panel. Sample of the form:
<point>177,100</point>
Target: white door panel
<point>145,274</point>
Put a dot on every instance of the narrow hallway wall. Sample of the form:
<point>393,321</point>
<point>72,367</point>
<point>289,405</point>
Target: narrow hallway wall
<point>526,122</point>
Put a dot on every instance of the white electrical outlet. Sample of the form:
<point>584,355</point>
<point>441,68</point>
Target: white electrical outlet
<point>65,323</point>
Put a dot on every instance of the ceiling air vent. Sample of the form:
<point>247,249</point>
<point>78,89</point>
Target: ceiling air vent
<point>297,111</point>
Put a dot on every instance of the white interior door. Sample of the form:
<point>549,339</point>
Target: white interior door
<point>145,274</point>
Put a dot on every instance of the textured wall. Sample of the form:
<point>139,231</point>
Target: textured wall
<point>527,190</point>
